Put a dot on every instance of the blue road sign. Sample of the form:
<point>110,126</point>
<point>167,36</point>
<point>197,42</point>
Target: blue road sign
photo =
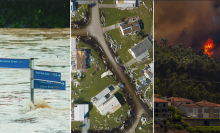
<point>14,63</point>
<point>39,84</point>
<point>46,75</point>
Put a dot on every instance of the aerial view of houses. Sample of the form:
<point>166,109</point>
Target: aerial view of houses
<point>112,66</point>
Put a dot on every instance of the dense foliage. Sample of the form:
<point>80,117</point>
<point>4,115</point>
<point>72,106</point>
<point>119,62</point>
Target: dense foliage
<point>203,129</point>
<point>35,13</point>
<point>182,72</point>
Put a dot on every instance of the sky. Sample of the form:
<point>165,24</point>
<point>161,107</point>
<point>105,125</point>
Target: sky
<point>188,22</point>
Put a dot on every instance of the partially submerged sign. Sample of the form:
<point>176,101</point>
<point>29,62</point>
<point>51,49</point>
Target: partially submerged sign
<point>14,63</point>
<point>47,75</point>
<point>39,84</point>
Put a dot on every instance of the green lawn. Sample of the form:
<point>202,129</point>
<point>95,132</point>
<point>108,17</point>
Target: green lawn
<point>91,86</point>
<point>149,93</point>
<point>126,43</point>
<point>112,15</point>
<point>76,125</point>
<point>148,128</point>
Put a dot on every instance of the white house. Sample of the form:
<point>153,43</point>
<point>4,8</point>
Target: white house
<point>126,3</point>
<point>140,51</point>
<point>80,112</point>
<point>110,105</point>
<point>105,102</point>
<point>201,109</point>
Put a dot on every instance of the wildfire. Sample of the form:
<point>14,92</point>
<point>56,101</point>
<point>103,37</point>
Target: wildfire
<point>208,47</point>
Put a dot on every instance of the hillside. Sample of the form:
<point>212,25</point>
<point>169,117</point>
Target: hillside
<point>184,73</point>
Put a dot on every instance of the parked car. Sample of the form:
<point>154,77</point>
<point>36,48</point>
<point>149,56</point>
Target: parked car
<point>122,68</point>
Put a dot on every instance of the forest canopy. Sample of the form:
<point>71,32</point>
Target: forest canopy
<point>184,73</point>
<point>34,14</point>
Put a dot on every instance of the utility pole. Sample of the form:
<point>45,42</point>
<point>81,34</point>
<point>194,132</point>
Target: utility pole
<point>31,79</point>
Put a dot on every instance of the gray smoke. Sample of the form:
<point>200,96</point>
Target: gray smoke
<point>188,22</point>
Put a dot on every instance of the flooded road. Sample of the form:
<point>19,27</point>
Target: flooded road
<point>50,50</point>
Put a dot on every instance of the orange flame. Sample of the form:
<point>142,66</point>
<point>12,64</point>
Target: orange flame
<point>208,47</point>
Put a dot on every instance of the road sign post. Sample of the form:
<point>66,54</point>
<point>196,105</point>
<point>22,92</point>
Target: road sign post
<point>40,84</point>
<point>46,75</point>
<point>14,63</point>
<point>38,79</point>
<point>31,65</point>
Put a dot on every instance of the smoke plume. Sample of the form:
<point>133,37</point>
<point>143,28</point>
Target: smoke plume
<point>188,22</point>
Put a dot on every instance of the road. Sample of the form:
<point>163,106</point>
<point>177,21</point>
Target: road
<point>94,30</point>
<point>111,27</point>
<point>107,6</point>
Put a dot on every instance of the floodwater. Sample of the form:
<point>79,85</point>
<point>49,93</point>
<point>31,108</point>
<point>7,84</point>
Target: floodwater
<point>50,49</point>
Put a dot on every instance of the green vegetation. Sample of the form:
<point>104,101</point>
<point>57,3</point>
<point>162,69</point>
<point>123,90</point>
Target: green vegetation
<point>175,122</point>
<point>112,15</point>
<point>77,125</point>
<point>82,8</point>
<point>181,72</point>
<point>150,92</point>
<point>203,118</point>
<point>34,13</point>
<point>91,86</point>
<point>146,127</point>
<point>204,129</point>
<point>127,43</point>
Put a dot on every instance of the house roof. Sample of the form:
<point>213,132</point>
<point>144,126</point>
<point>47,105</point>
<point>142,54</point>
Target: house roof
<point>158,100</point>
<point>120,2</point>
<point>109,105</point>
<point>193,105</point>
<point>125,5</point>
<point>127,31</point>
<point>179,99</point>
<point>178,131</point>
<point>125,1</point>
<point>201,104</point>
<point>80,111</point>
<point>135,26</point>
<point>125,26</point>
<point>141,49</point>
<point>204,103</point>
<point>131,27</point>
<point>81,59</point>
<point>103,93</point>
<point>100,101</point>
